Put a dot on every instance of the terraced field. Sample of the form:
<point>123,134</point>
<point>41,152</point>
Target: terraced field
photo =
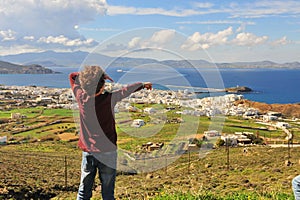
<point>42,161</point>
<point>52,170</point>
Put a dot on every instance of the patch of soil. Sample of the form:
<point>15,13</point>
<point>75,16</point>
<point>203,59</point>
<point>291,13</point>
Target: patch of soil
<point>68,137</point>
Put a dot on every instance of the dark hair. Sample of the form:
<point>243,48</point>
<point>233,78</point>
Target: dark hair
<point>92,79</point>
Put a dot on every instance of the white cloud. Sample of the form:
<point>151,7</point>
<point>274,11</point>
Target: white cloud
<point>217,22</point>
<point>100,29</point>
<point>62,40</point>
<point>163,36</point>
<point>134,42</point>
<point>48,17</point>
<point>7,35</point>
<point>266,8</point>
<point>281,41</point>
<point>249,39</point>
<point>25,20</point>
<point>157,40</point>
<point>227,37</point>
<point>31,38</point>
<point>243,9</point>
<point>206,40</point>
<point>122,10</point>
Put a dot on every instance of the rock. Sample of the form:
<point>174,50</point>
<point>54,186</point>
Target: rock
<point>277,170</point>
<point>208,165</point>
<point>287,163</point>
<point>149,176</point>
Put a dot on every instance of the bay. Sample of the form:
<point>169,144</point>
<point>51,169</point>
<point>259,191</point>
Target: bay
<point>269,85</point>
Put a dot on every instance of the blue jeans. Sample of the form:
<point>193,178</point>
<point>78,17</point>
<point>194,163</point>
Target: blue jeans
<point>296,187</point>
<point>91,162</point>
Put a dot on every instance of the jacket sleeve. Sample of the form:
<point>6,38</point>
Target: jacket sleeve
<point>126,91</point>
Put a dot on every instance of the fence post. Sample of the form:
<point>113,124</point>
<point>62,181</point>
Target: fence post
<point>66,173</point>
<point>166,165</point>
<point>189,161</point>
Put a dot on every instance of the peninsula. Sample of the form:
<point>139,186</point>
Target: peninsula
<point>10,68</point>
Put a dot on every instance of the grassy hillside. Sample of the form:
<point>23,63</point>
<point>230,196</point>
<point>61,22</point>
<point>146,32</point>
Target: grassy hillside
<point>41,162</point>
<point>40,170</point>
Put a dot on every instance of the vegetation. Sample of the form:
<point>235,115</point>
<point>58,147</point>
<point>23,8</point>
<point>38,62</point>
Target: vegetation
<point>31,170</point>
<point>42,162</point>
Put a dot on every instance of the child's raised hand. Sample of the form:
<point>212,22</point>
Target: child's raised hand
<point>148,85</point>
<point>106,77</point>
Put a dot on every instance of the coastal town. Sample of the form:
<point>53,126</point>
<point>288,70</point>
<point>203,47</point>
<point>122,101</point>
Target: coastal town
<point>16,97</point>
<point>33,96</point>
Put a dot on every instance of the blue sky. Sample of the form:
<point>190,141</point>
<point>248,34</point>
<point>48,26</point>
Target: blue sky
<point>220,31</point>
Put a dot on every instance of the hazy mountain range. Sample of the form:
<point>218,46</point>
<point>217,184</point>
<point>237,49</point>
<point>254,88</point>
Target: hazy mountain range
<point>75,59</point>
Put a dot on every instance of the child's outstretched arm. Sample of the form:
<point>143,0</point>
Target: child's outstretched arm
<point>126,91</point>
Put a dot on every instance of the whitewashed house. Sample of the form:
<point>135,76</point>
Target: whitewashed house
<point>282,125</point>
<point>137,123</point>
<point>149,110</point>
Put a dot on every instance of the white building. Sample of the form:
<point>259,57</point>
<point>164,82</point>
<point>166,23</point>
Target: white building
<point>282,125</point>
<point>3,140</point>
<point>149,110</point>
<point>267,118</point>
<point>212,133</point>
<point>137,123</point>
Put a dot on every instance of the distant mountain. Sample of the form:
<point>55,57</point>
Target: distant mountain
<point>262,64</point>
<point>48,58</point>
<point>10,68</point>
<point>76,59</point>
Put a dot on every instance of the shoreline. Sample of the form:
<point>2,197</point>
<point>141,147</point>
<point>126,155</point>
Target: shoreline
<point>239,90</point>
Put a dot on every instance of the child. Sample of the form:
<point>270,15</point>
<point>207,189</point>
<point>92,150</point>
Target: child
<point>296,187</point>
<point>98,137</point>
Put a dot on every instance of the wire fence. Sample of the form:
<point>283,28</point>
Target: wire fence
<point>54,171</point>
<point>40,175</point>
<point>37,174</point>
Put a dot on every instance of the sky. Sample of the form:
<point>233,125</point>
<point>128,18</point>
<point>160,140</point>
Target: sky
<point>218,30</point>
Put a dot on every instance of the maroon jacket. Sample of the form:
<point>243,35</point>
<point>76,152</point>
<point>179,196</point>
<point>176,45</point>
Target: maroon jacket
<point>97,121</point>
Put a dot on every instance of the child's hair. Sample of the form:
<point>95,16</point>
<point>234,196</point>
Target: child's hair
<point>92,79</point>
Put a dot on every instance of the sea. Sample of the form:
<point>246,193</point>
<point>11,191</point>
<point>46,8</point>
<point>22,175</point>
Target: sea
<point>268,85</point>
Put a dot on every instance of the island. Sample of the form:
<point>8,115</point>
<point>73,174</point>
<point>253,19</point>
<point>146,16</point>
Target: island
<point>238,89</point>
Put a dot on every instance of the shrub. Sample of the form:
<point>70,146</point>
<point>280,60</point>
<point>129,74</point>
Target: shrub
<point>50,137</point>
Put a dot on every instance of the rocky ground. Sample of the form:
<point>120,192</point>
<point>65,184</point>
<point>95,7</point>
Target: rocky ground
<point>288,110</point>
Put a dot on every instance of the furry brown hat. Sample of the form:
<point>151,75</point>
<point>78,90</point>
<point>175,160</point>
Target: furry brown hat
<point>92,79</point>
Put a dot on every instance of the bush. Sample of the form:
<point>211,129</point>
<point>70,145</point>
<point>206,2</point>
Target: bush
<point>220,142</point>
<point>50,137</point>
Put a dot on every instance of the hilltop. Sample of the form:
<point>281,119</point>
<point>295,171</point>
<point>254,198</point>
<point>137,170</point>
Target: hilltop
<point>10,68</point>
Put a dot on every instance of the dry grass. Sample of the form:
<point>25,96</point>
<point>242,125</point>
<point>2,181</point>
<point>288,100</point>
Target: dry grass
<point>261,170</point>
